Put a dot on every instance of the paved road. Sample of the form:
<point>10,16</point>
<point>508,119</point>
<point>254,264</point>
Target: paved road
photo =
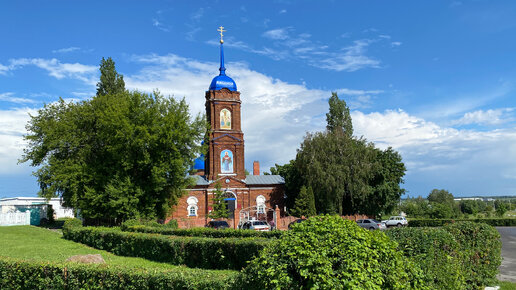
<point>508,267</point>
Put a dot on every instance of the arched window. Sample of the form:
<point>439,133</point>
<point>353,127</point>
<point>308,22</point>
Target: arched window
<point>192,206</point>
<point>260,204</point>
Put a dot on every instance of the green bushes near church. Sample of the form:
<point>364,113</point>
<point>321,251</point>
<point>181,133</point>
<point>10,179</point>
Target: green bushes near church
<point>17,274</point>
<point>463,255</point>
<point>195,252</point>
<point>481,248</point>
<point>327,252</point>
<point>203,232</point>
<point>495,222</point>
<point>436,251</point>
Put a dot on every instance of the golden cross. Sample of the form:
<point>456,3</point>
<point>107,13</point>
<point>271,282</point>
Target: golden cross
<point>221,30</point>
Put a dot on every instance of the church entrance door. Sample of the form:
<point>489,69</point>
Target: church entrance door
<point>230,201</point>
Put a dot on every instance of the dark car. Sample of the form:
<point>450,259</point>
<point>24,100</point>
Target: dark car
<point>219,225</point>
<point>295,222</point>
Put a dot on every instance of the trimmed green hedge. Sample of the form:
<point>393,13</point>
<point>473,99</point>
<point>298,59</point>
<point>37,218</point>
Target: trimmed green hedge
<point>203,232</point>
<point>17,274</point>
<point>467,249</point>
<point>208,253</point>
<point>506,222</point>
<point>480,246</point>
<point>172,224</point>
<point>436,251</point>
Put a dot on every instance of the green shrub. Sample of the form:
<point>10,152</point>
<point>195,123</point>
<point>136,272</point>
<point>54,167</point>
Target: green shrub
<point>328,252</point>
<point>208,253</point>
<point>148,223</point>
<point>496,222</point>
<point>480,246</point>
<point>72,223</point>
<point>203,232</point>
<point>436,251</point>
<point>15,274</point>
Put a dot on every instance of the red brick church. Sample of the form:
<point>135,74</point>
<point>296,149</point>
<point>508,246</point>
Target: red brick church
<point>247,196</point>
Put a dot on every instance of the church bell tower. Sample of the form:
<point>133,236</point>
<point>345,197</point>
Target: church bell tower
<point>225,157</point>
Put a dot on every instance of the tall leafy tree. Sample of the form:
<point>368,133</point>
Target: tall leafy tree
<point>305,203</point>
<point>219,209</point>
<point>111,82</point>
<point>293,180</point>
<point>115,156</point>
<point>348,175</point>
<point>338,118</point>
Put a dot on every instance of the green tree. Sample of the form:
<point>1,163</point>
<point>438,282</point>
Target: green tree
<point>305,203</point>
<point>469,206</point>
<point>348,174</point>
<point>446,204</point>
<point>415,207</point>
<point>501,207</point>
<point>440,196</point>
<point>293,180</point>
<point>111,83</point>
<point>115,157</point>
<point>338,118</point>
<point>441,211</point>
<point>219,209</point>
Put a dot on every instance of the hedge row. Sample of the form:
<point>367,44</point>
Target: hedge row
<point>195,252</point>
<point>203,232</point>
<point>463,255</point>
<point>505,222</point>
<point>17,274</point>
<point>436,251</point>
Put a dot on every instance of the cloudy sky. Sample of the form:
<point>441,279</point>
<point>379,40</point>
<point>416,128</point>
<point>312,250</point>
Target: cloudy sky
<point>436,80</point>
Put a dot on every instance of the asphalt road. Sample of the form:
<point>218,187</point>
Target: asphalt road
<point>508,267</point>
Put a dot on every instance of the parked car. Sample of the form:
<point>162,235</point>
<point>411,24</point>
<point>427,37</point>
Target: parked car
<point>396,221</point>
<point>371,224</point>
<point>295,222</point>
<point>256,225</point>
<point>219,225</point>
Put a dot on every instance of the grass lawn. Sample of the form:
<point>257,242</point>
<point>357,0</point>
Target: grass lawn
<point>40,244</point>
<point>506,285</point>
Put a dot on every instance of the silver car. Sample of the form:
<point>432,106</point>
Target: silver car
<point>371,224</point>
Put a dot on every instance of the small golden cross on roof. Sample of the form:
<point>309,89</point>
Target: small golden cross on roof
<point>221,30</point>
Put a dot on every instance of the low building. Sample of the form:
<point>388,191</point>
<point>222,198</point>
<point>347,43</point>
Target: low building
<point>38,206</point>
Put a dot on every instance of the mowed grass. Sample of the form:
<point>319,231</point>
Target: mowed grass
<point>43,245</point>
<point>506,285</point>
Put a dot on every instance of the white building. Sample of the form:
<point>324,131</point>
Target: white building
<point>13,204</point>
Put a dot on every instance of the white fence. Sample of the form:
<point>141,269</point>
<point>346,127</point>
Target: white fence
<point>15,218</point>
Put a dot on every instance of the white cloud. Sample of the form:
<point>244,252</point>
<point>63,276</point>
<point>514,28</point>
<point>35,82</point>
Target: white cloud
<point>12,128</point>
<point>351,59</point>
<point>463,161</point>
<point>3,69</point>
<point>276,34</point>
<point>57,69</point>
<point>66,50</point>
<point>9,97</point>
<point>488,117</point>
<point>395,43</point>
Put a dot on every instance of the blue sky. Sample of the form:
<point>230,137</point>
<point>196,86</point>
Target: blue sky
<point>433,79</point>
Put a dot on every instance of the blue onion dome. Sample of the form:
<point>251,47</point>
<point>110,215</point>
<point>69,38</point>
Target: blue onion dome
<point>222,81</point>
<point>199,163</point>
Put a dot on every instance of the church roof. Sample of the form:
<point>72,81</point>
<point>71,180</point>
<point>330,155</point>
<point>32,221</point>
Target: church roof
<point>264,179</point>
<point>249,180</point>
<point>200,180</point>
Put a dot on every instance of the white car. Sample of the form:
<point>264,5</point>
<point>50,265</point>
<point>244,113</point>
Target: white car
<point>256,225</point>
<point>396,221</point>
